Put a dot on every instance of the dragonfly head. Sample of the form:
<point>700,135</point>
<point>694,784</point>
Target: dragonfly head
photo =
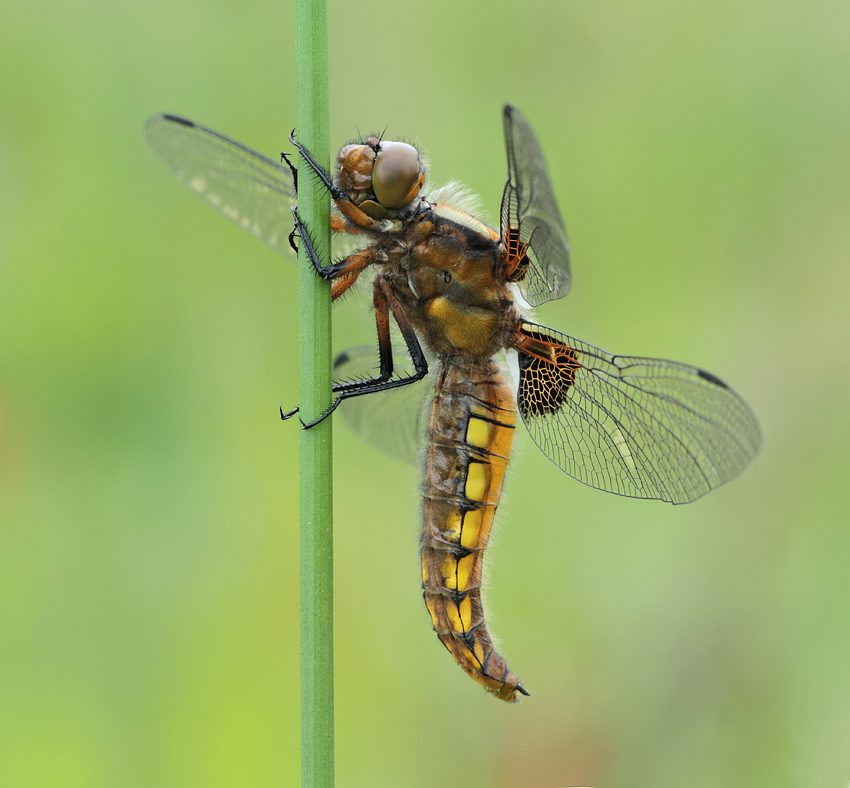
<point>391,173</point>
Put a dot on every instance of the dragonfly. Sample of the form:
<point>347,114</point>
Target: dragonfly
<point>460,294</point>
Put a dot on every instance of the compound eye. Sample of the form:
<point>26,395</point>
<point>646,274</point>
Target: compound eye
<point>396,170</point>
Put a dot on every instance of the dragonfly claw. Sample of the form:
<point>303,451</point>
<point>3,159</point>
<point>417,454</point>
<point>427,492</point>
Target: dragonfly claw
<point>308,424</point>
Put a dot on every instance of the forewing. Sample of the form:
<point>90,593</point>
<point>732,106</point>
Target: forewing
<point>531,223</point>
<point>395,420</point>
<point>639,427</point>
<point>244,186</point>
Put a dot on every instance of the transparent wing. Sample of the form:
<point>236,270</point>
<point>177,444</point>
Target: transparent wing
<point>531,222</point>
<point>639,427</point>
<point>244,186</point>
<point>394,421</point>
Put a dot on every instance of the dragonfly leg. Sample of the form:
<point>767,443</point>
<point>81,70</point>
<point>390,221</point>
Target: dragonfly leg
<point>337,222</point>
<point>385,303</point>
<point>343,273</point>
<point>325,179</point>
<point>340,198</point>
<point>307,425</point>
<point>292,235</point>
<point>324,271</point>
<point>293,170</point>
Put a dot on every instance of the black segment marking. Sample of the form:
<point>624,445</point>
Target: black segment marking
<point>489,421</point>
<point>456,596</point>
<point>468,640</point>
<point>458,552</point>
<point>487,404</point>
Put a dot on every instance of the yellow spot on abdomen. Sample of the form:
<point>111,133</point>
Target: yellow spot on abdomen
<point>476,481</point>
<point>471,527</point>
<point>478,433</point>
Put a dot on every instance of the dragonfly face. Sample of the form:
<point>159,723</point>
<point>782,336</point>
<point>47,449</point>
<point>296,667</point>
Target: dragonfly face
<point>635,426</point>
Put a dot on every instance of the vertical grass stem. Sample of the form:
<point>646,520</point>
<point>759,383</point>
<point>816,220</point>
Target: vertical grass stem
<point>317,708</point>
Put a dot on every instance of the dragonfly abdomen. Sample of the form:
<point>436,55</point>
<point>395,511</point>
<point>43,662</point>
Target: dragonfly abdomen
<point>470,433</point>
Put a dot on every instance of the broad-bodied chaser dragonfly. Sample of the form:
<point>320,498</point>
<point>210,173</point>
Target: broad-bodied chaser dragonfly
<point>635,426</point>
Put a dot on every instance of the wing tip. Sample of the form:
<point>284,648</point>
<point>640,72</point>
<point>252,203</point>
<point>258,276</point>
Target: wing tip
<point>158,117</point>
<point>176,119</point>
<point>712,378</point>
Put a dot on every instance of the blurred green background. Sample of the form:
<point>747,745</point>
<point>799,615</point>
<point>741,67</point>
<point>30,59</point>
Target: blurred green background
<point>148,548</point>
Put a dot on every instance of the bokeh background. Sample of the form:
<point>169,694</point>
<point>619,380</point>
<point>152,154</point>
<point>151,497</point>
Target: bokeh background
<point>148,491</point>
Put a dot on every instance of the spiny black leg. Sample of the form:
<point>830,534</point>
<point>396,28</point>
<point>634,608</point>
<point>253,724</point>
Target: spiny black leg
<point>304,235</point>
<point>285,157</point>
<point>381,383</point>
<point>384,301</point>
<point>364,387</point>
<point>368,388</point>
<point>335,192</point>
<point>324,271</point>
<point>306,425</point>
<point>294,172</point>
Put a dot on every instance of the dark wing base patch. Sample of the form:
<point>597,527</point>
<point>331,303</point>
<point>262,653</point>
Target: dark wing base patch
<point>546,376</point>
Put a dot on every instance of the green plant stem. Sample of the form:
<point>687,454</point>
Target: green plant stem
<point>317,694</point>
